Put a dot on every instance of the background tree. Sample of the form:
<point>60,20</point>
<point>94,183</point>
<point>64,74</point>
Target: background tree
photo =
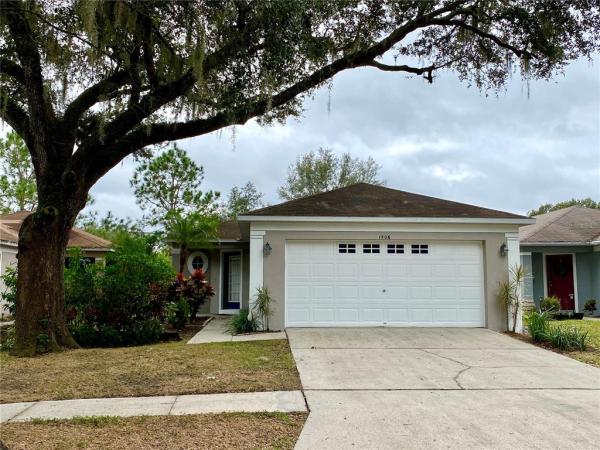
<point>17,178</point>
<point>323,171</point>
<point>241,200</point>
<point>584,202</point>
<point>170,184</point>
<point>192,230</point>
<point>86,84</point>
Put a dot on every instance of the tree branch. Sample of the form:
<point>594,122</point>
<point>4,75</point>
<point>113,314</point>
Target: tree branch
<point>492,37</point>
<point>12,69</point>
<point>416,70</point>
<point>39,109</point>
<point>14,115</point>
<point>92,95</point>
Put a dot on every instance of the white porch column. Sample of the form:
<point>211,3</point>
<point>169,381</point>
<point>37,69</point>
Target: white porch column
<point>256,264</point>
<point>513,260</point>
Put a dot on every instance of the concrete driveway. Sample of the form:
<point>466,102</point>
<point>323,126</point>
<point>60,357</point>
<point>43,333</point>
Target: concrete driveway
<point>411,388</point>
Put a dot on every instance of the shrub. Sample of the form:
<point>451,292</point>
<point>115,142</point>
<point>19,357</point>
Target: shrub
<point>7,338</point>
<point>194,289</point>
<point>242,322</point>
<point>177,313</point>
<point>550,304</point>
<point>537,325</point>
<point>121,303</point>
<point>9,295</point>
<point>590,306</point>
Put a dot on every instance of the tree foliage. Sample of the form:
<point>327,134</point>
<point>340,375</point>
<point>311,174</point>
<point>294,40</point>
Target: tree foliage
<point>18,190</point>
<point>548,207</point>
<point>189,231</point>
<point>170,184</point>
<point>241,200</point>
<point>323,171</point>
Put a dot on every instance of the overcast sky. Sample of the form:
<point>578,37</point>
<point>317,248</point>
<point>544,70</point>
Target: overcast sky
<point>508,151</point>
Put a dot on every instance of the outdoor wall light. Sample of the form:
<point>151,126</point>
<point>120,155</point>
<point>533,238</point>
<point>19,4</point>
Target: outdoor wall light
<point>504,249</point>
<point>267,249</point>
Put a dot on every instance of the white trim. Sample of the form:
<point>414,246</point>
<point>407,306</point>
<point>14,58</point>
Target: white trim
<point>9,244</point>
<point>221,267</point>
<point>513,260</point>
<point>9,250</point>
<point>378,228</point>
<point>573,267</point>
<point>517,221</point>
<point>256,278</point>
<point>191,258</point>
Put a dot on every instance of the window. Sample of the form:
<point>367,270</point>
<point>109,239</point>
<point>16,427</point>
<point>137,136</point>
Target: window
<point>370,248</point>
<point>395,248</point>
<point>347,248</point>
<point>197,260</point>
<point>419,249</point>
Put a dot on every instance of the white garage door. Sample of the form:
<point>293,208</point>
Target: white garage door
<point>394,283</point>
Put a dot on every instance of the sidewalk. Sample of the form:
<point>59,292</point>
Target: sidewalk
<point>277,401</point>
<point>216,331</point>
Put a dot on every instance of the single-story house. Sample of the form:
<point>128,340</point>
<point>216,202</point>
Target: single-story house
<point>94,248</point>
<point>365,255</point>
<point>561,252</point>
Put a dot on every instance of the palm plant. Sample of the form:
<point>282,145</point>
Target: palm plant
<point>510,294</point>
<point>191,231</point>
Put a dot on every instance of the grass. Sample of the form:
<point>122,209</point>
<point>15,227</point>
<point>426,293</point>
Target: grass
<point>592,354</point>
<point>215,431</point>
<point>161,369</point>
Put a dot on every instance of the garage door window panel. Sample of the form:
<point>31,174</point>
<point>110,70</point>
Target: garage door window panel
<point>371,248</point>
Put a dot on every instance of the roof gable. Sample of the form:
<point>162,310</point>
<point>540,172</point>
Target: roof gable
<point>569,225</point>
<point>10,224</point>
<point>367,200</point>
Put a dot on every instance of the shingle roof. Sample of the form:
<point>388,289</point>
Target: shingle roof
<point>230,231</point>
<point>367,200</point>
<point>569,225</point>
<point>10,225</point>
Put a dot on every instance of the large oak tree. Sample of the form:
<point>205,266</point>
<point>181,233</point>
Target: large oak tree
<point>87,83</point>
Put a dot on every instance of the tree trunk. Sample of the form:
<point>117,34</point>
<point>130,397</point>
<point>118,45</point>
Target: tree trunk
<point>183,251</point>
<point>40,317</point>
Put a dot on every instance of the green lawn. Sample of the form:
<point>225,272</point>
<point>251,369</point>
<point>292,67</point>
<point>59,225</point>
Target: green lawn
<point>160,369</point>
<point>592,354</point>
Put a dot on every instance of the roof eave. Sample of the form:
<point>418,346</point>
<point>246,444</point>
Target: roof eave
<point>484,220</point>
<point>556,244</point>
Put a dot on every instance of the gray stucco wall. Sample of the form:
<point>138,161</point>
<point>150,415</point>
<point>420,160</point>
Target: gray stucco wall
<point>213,274</point>
<point>587,264</point>
<point>495,266</point>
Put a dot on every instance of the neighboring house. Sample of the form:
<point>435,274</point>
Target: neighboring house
<point>365,255</point>
<point>561,251</point>
<point>94,248</point>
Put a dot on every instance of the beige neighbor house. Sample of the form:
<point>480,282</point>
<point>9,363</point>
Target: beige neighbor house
<point>94,248</point>
<point>365,255</point>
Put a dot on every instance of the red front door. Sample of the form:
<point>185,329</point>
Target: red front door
<point>559,271</point>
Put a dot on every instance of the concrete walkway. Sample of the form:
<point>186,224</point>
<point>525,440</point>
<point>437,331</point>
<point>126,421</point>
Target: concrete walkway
<point>216,331</point>
<point>277,401</point>
<point>390,388</point>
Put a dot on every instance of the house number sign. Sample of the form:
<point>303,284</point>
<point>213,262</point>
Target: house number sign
<point>385,237</point>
